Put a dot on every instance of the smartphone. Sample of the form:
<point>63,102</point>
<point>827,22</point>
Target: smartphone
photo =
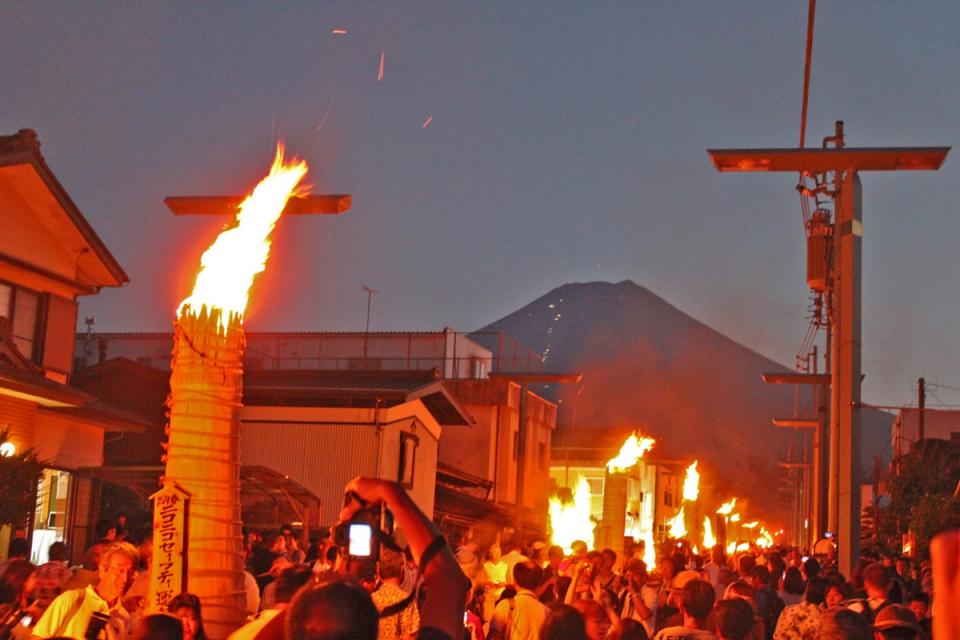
<point>360,536</point>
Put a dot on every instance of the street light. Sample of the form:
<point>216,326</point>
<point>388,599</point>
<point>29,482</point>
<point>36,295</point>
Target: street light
<point>366,334</point>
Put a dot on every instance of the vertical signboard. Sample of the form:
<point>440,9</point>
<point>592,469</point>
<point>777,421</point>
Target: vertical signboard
<point>168,569</point>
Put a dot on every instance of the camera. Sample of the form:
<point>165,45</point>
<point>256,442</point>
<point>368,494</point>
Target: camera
<point>98,620</point>
<point>362,535</point>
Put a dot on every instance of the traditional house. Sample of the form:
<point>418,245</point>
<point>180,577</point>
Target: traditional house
<point>49,257</point>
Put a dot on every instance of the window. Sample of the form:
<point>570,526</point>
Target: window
<point>20,308</point>
<point>408,458</point>
<point>50,517</point>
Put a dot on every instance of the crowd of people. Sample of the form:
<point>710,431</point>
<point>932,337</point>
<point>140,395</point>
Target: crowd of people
<point>465,585</point>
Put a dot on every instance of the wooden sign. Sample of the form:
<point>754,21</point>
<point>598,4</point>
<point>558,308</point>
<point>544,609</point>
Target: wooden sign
<point>168,570</point>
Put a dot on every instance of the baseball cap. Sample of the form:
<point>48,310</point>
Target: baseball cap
<point>895,616</point>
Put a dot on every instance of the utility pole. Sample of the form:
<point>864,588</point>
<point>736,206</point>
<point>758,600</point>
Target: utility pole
<point>844,164</point>
<point>921,406</point>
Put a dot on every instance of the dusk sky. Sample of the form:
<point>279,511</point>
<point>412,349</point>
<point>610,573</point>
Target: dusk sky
<point>565,143</point>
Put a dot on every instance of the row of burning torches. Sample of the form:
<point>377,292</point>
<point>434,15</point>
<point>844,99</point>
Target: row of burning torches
<point>571,520</point>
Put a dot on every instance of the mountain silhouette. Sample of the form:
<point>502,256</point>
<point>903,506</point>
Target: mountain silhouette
<point>650,366</point>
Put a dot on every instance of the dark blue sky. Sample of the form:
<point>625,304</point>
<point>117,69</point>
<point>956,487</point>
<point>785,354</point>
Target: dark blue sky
<point>567,144</point>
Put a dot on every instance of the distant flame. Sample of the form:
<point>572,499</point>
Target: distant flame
<point>649,551</point>
<point>708,540</point>
<point>735,517</point>
<point>727,507</point>
<point>240,252</point>
<point>630,453</point>
<point>691,483</point>
<point>750,525</point>
<point>765,540</point>
<point>571,521</point>
<point>678,527</point>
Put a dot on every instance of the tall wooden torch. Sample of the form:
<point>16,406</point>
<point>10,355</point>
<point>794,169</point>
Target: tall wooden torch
<point>206,387</point>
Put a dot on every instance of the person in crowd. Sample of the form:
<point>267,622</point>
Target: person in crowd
<point>604,578</point>
<point>120,528</point>
<point>520,617</point>
<point>696,602</point>
<point>596,618</point>
<point>19,549</point>
<point>838,592</point>
<point>138,591</point>
<point>801,621</point>
<point>337,609</point>
<point>662,582</point>
<point>106,531</point>
<point>919,604</point>
<point>769,604</point>
<point>843,624</point>
<point>554,584</point>
<point>289,582</point>
<point>895,622</point>
<point>810,568</point>
<point>493,579</point>
<point>334,610</point>
<point>71,613</point>
<point>715,570</point>
<point>186,607</point>
<point>791,586</point>
<point>86,574</point>
<point>628,630</point>
<point>564,622</point>
<point>733,619</point>
<point>743,590</point>
<point>514,555</point>
<point>292,550</point>
<point>399,615</point>
<point>158,626</point>
<point>876,584</point>
<point>638,598</point>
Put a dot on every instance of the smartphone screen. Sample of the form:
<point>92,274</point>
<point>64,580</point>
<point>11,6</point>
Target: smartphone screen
<point>360,537</point>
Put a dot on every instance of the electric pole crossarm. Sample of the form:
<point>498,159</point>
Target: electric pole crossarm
<point>832,159</point>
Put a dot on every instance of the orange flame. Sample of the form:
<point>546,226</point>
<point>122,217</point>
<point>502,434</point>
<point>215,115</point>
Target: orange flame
<point>691,483</point>
<point>678,526</point>
<point>727,507</point>
<point>571,521</point>
<point>708,539</point>
<point>630,453</point>
<point>240,252</point>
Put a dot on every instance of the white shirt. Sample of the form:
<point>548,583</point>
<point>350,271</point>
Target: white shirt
<point>69,614</point>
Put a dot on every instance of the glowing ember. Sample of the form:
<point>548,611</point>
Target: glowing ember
<point>240,252</point>
<point>339,32</point>
<point>678,527</point>
<point>380,74</point>
<point>727,507</point>
<point>708,540</point>
<point>735,517</point>
<point>750,525</point>
<point>630,453</point>
<point>427,122</point>
<point>571,521</point>
<point>691,483</point>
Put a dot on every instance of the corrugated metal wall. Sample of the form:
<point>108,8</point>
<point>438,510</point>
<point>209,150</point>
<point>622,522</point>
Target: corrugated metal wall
<point>321,457</point>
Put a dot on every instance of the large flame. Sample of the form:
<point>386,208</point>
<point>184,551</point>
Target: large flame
<point>727,507</point>
<point>240,252</point>
<point>571,521</point>
<point>691,483</point>
<point>630,453</point>
<point>708,540</point>
<point>678,526</point>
